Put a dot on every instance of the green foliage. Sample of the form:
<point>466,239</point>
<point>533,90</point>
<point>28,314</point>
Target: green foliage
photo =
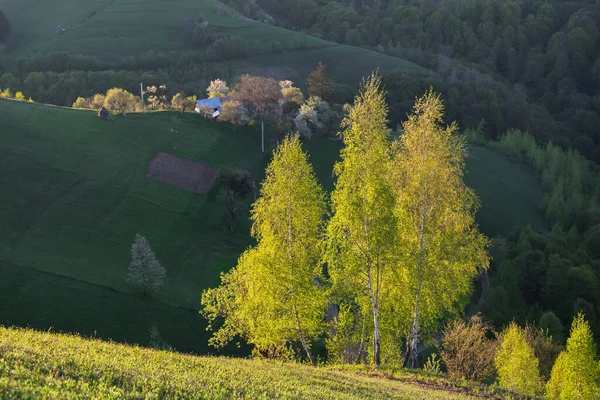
<point>145,270</point>
<point>439,243</point>
<point>518,368</point>
<point>121,101</point>
<point>576,373</point>
<point>271,298</point>
<point>81,103</point>
<point>360,233</point>
<point>318,84</point>
<point>47,365</point>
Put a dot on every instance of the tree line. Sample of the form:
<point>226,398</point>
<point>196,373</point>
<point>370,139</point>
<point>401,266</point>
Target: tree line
<point>545,51</point>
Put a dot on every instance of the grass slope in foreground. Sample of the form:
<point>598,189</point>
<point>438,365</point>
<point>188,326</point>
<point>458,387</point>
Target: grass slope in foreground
<point>74,194</point>
<point>45,365</point>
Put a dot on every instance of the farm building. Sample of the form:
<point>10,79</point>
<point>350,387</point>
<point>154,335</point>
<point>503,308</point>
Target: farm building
<point>213,105</point>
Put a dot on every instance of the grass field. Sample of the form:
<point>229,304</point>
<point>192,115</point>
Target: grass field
<point>45,365</point>
<point>74,194</point>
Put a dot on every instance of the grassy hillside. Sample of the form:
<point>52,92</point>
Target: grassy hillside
<point>112,28</point>
<point>74,194</point>
<point>44,365</point>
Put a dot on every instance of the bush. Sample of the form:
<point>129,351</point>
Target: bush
<point>576,373</point>
<point>81,103</point>
<point>467,351</point>
<point>544,346</point>
<point>518,368</point>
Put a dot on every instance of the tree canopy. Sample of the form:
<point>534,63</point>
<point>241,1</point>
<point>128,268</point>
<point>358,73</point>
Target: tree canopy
<point>272,298</point>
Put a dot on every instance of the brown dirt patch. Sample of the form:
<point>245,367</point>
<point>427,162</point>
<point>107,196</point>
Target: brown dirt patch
<point>180,172</point>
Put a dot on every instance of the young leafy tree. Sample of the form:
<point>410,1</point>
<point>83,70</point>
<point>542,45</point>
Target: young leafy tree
<point>318,84</point>
<point>441,248</point>
<point>576,372</point>
<point>271,297</point>
<point>517,365</point>
<point>120,100</point>
<point>360,233</point>
<point>145,270</point>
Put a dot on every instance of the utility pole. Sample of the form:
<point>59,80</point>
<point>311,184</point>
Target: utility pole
<point>263,136</point>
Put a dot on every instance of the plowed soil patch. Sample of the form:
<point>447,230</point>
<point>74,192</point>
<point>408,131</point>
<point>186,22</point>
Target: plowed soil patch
<point>183,173</point>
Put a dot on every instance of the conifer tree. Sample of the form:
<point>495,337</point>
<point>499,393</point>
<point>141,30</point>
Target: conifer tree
<point>272,297</point>
<point>576,372</point>
<point>440,247</point>
<point>145,270</point>
<point>360,234</point>
<point>518,368</point>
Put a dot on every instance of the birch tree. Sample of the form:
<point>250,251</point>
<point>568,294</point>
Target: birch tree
<point>272,298</point>
<point>441,248</point>
<point>360,234</point>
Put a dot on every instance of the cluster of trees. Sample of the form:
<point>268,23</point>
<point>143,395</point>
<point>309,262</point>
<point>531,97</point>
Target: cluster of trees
<point>121,101</point>
<point>524,360</point>
<point>395,258</point>
<point>546,51</point>
<point>8,94</point>
<point>547,277</point>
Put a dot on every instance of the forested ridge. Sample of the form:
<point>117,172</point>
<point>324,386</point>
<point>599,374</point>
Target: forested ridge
<point>546,52</point>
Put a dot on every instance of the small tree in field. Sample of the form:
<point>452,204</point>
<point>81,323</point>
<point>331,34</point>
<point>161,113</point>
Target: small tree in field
<point>576,373</point>
<point>182,103</point>
<point>518,368</point>
<point>233,112</point>
<point>81,103</point>
<point>217,88</point>
<point>120,100</point>
<point>145,270</point>
<point>319,84</point>
<point>19,96</point>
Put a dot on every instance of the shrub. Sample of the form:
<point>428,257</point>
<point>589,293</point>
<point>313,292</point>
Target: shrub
<point>518,368</point>
<point>576,373</point>
<point>545,348</point>
<point>81,103</point>
<point>466,349</point>
<point>19,96</point>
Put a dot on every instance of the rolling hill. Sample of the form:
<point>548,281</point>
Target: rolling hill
<point>75,194</point>
<point>109,29</point>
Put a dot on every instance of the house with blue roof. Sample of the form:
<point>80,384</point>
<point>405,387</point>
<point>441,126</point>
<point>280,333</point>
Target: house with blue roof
<point>212,105</point>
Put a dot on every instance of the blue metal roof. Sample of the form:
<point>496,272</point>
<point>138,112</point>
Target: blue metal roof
<point>209,103</point>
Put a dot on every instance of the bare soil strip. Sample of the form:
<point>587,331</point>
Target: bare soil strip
<point>183,173</point>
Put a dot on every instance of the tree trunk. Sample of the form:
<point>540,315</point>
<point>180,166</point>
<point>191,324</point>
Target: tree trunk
<point>376,336</point>
<point>414,351</point>
<point>303,339</point>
